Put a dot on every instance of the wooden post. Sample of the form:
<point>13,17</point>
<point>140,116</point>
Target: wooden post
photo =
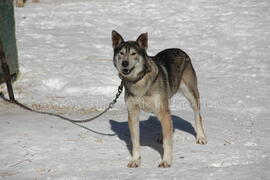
<point>7,35</point>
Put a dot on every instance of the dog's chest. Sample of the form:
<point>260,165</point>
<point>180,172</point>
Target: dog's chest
<point>146,103</point>
<point>139,89</point>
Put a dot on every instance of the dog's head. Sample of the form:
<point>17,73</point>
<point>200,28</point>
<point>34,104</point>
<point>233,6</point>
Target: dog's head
<point>129,56</point>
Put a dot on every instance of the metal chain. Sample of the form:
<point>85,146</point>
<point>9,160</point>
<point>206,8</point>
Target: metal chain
<point>119,91</point>
<point>111,104</point>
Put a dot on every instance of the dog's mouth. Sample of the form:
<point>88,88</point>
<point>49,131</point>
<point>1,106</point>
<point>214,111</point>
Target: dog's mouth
<point>127,71</point>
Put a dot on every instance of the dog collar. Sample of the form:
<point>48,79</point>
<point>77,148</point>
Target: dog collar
<point>140,77</point>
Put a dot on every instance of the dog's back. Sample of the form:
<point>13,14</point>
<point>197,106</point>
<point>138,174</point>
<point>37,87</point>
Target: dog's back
<point>174,61</point>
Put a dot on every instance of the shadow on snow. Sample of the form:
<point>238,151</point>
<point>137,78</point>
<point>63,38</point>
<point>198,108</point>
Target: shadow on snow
<point>150,130</point>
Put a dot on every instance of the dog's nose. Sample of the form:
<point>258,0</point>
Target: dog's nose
<point>125,63</point>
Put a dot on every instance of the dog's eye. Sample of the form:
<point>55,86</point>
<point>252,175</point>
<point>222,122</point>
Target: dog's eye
<point>133,54</point>
<point>121,53</point>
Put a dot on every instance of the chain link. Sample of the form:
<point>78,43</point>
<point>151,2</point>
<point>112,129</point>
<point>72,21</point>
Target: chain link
<point>119,91</point>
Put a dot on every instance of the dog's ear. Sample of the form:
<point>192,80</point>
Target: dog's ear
<point>142,40</point>
<point>116,39</point>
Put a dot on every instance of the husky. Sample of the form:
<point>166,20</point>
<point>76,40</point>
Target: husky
<point>150,81</point>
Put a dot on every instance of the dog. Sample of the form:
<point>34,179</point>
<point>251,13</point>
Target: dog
<point>149,82</point>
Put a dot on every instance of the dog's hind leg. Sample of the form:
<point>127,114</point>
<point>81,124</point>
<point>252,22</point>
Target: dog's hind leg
<point>133,124</point>
<point>188,87</point>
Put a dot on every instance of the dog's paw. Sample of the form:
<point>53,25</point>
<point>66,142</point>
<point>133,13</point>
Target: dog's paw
<point>164,164</point>
<point>134,163</point>
<point>201,140</point>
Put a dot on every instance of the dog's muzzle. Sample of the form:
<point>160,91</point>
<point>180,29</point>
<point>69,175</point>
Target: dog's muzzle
<point>127,71</point>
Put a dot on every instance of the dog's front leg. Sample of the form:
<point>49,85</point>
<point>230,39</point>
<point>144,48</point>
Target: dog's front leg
<point>164,116</point>
<point>133,124</point>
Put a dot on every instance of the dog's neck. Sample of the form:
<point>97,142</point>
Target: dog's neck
<point>140,76</point>
<point>140,85</point>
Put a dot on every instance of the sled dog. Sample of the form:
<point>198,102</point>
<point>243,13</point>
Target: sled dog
<point>150,81</point>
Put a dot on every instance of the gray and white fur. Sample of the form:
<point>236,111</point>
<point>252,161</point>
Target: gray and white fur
<point>149,84</point>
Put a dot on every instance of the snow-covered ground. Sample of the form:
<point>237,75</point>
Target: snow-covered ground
<point>65,58</point>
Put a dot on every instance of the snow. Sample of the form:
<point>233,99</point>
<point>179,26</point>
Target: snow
<point>65,58</point>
